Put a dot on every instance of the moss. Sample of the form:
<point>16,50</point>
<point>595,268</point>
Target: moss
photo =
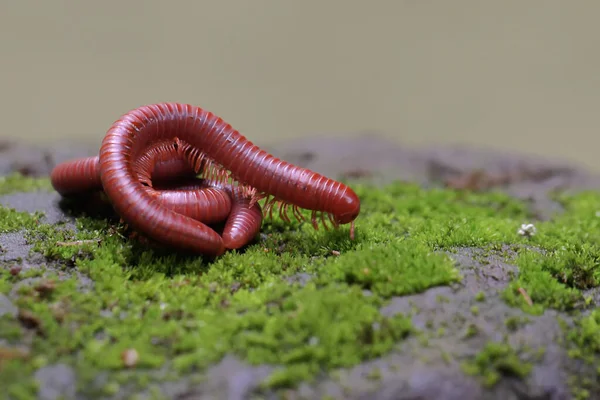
<point>543,289</point>
<point>514,323</point>
<point>471,331</point>
<point>182,314</point>
<point>379,268</point>
<point>480,296</point>
<point>443,219</point>
<point>564,258</point>
<point>584,344</point>
<point>496,359</point>
<point>16,182</point>
<point>12,220</point>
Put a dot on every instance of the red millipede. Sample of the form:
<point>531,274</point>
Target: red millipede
<point>208,144</point>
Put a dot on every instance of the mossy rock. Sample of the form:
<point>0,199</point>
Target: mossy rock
<point>437,297</point>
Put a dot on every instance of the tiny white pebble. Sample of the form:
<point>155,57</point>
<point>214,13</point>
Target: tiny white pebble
<point>527,230</point>
<point>130,357</point>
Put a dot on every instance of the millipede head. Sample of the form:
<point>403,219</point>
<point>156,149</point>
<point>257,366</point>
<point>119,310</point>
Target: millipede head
<point>347,208</point>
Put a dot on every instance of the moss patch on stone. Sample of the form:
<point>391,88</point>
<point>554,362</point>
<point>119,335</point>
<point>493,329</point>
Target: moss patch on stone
<point>564,258</point>
<point>496,360</point>
<point>182,314</point>
<point>12,220</point>
<point>16,182</point>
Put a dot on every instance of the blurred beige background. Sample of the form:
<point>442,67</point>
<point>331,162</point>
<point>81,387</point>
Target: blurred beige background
<point>509,74</point>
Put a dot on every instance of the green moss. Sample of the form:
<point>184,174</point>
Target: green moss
<point>12,220</point>
<point>565,259</point>
<point>539,284</point>
<point>580,223</point>
<point>16,182</point>
<point>471,331</point>
<point>494,361</point>
<point>584,344</point>
<point>380,268</point>
<point>480,296</point>
<point>442,218</point>
<point>514,323</point>
<point>182,314</point>
<point>585,338</point>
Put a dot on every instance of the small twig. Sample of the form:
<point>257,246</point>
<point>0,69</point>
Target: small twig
<point>79,242</point>
<point>525,296</point>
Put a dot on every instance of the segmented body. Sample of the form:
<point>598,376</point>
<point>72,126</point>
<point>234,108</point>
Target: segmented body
<point>221,154</point>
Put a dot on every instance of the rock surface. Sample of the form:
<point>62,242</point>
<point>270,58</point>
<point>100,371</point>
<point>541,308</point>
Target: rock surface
<point>413,371</point>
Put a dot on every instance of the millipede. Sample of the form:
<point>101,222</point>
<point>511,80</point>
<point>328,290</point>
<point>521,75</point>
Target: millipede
<point>169,169</point>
